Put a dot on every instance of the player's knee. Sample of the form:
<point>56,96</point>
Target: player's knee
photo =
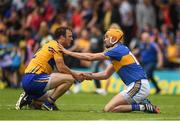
<point>107,109</point>
<point>68,80</point>
<point>71,82</point>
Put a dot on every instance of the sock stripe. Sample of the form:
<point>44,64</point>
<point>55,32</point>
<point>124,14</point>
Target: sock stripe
<point>52,99</point>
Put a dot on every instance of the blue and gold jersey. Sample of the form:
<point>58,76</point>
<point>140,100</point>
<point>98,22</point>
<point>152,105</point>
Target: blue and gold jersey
<point>125,64</point>
<point>43,61</point>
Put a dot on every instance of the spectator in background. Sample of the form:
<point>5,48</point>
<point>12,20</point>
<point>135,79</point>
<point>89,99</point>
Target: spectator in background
<point>56,23</point>
<point>26,55</point>
<point>99,9</point>
<point>111,13</point>
<point>150,57</point>
<point>175,14</point>
<point>31,43</point>
<point>115,17</point>
<point>155,37</point>
<point>14,26</point>
<point>5,6</point>
<point>94,17</point>
<point>31,4</point>
<point>27,46</point>
<point>145,15</point>
<point>61,6</point>
<point>107,14</point>
<point>44,33</point>
<point>19,4</point>
<point>164,35</point>
<point>5,59</point>
<point>177,39</point>
<point>9,62</point>
<point>82,44</point>
<point>2,28</point>
<point>126,12</point>
<point>86,11</point>
<point>173,60</point>
<point>164,15</point>
<point>48,11</point>
<point>96,46</point>
<point>77,21</point>
<point>34,19</point>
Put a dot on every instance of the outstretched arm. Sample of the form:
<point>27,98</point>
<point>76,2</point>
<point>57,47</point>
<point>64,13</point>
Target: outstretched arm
<point>84,56</point>
<point>101,75</point>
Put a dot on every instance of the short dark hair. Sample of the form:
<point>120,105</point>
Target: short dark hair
<point>61,31</point>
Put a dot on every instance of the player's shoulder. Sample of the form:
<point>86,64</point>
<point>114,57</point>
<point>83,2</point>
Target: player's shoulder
<point>52,43</point>
<point>52,46</point>
<point>120,48</point>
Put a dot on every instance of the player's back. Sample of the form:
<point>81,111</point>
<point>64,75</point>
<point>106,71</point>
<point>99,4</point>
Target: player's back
<point>43,60</point>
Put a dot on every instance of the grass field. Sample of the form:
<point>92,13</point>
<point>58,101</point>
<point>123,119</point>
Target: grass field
<point>86,106</point>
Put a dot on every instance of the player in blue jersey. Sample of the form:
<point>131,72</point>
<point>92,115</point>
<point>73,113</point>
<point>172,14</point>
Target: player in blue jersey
<point>134,98</point>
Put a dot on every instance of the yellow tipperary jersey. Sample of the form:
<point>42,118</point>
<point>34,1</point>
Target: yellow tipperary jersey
<point>44,59</point>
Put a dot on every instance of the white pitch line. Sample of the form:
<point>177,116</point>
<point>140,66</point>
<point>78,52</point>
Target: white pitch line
<point>105,120</point>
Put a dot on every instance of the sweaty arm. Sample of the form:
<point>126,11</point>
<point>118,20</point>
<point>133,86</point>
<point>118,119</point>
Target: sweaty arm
<point>62,68</point>
<point>101,75</point>
<point>83,56</point>
<point>86,56</point>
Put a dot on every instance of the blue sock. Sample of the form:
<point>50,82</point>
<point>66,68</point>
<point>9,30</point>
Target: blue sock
<point>29,100</point>
<point>135,107</point>
<point>52,99</point>
<point>47,103</point>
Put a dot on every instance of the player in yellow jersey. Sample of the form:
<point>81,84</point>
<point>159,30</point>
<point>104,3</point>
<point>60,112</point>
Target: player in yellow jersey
<point>38,77</point>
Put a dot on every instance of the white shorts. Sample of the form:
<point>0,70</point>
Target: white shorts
<point>136,91</point>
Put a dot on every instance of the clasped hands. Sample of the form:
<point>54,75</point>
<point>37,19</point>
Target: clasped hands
<point>82,76</point>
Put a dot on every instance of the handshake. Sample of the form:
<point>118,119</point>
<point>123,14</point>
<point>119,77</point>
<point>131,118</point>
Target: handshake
<point>82,76</point>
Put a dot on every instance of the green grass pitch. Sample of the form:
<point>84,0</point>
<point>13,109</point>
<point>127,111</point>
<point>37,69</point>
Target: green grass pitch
<point>86,106</point>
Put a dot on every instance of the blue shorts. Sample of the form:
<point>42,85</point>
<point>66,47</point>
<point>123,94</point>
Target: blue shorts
<point>34,84</point>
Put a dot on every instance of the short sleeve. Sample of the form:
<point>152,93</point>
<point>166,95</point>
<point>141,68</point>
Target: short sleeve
<point>113,54</point>
<point>58,55</point>
<point>53,48</point>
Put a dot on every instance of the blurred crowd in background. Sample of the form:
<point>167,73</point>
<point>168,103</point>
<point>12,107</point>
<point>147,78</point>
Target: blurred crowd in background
<point>25,25</point>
